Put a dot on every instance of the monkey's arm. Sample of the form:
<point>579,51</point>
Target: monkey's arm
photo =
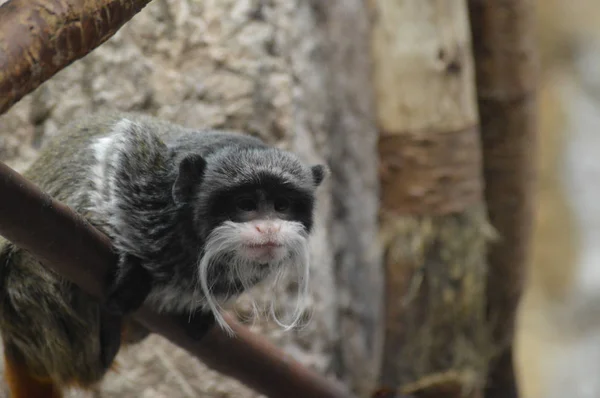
<point>128,290</point>
<point>132,190</point>
<point>129,286</point>
<point>197,324</point>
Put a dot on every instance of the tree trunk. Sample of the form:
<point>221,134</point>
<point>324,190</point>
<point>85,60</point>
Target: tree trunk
<point>504,46</point>
<point>291,72</point>
<point>354,158</point>
<point>433,216</point>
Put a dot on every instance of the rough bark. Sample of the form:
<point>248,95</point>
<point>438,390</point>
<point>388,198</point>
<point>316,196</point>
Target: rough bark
<point>433,216</point>
<point>272,69</point>
<point>504,46</point>
<point>41,37</point>
<point>353,158</point>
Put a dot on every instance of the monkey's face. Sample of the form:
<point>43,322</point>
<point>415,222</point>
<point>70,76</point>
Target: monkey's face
<point>253,213</point>
<point>259,227</point>
<point>267,225</point>
<point>259,230</point>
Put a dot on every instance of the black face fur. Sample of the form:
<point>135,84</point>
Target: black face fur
<point>265,195</point>
<point>268,196</point>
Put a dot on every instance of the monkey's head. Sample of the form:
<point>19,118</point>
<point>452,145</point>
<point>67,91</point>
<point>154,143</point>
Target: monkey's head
<point>252,209</point>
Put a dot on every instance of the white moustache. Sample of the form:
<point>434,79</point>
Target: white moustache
<point>250,260</point>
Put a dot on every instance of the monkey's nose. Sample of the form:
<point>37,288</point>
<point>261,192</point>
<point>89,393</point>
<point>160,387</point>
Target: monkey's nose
<point>267,228</point>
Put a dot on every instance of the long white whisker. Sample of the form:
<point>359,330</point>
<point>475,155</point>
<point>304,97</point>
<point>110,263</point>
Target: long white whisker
<point>300,264</point>
<point>209,297</point>
<point>225,247</point>
<point>244,278</point>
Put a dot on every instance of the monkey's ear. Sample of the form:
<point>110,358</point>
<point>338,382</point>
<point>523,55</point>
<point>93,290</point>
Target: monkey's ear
<point>191,170</point>
<point>319,172</point>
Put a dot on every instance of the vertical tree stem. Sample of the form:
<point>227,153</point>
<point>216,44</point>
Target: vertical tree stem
<point>433,218</point>
<point>505,59</point>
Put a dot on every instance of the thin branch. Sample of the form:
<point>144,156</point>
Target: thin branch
<point>40,37</point>
<point>506,66</point>
<point>67,243</point>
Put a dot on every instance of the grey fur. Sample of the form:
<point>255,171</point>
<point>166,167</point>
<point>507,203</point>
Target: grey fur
<point>52,323</point>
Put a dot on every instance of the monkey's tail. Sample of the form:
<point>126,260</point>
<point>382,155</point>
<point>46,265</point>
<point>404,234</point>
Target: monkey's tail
<point>20,381</point>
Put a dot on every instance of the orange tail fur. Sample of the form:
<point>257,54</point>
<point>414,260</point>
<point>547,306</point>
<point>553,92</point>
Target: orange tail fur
<point>23,385</point>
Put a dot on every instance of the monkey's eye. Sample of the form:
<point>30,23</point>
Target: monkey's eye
<point>246,203</point>
<point>281,204</point>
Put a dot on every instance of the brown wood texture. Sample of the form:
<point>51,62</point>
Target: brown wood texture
<point>429,174</point>
<point>38,38</point>
<point>506,68</point>
<point>433,220</point>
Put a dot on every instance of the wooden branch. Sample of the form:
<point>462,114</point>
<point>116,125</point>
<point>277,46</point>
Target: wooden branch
<point>38,38</point>
<point>506,68</point>
<point>433,219</point>
<point>64,241</point>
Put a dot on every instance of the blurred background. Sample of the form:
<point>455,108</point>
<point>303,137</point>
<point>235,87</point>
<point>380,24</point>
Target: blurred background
<point>558,340</point>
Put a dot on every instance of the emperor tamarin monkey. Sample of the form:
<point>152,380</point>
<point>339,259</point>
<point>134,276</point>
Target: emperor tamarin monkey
<point>196,217</point>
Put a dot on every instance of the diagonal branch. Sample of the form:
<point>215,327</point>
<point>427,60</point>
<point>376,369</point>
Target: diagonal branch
<point>68,244</point>
<point>40,37</point>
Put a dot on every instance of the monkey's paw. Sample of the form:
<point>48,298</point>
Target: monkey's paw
<point>196,325</point>
<point>129,287</point>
